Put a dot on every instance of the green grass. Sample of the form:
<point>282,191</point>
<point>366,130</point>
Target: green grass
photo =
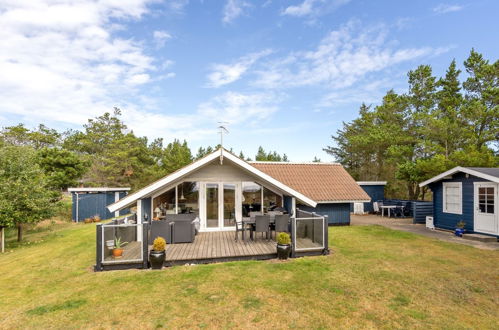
<point>375,277</point>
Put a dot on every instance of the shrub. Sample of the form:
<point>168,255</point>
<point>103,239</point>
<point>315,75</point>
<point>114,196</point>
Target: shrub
<point>96,218</point>
<point>159,244</point>
<point>88,220</point>
<point>118,244</point>
<point>283,239</point>
<point>461,224</point>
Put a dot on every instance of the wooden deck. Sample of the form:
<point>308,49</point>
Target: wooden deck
<point>219,246</point>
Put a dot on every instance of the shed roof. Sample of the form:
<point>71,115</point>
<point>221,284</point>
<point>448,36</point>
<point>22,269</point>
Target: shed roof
<point>322,182</point>
<point>371,183</point>
<point>487,173</point>
<point>493,171</point>
<point>98,189</point>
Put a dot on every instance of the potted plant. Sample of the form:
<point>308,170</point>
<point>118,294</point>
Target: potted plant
<point>283,246</point>
<point>460,228</point>
<point>157,255</point>
<point>118,248</point>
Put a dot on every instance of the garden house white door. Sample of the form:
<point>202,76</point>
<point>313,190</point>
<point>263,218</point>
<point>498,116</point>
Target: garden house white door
<point>486,215</point>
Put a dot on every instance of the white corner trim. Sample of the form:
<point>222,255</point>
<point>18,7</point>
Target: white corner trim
<point>372,183</point>
<point>444,196</point>
<point>460,169</point>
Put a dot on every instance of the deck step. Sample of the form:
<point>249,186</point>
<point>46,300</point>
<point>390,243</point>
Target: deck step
<point>480,237</point>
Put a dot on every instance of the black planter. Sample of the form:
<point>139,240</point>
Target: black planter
<point>283,251</point>
<point>157,258</point>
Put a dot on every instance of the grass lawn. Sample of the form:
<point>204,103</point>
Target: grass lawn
<point>375,277</point>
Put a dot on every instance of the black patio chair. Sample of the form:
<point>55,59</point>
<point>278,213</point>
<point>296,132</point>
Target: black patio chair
<point>262,225</point>
<point>239,228</point>
<point>281,223</point>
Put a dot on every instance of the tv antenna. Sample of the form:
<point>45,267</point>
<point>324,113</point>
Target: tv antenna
<point>222,131</point>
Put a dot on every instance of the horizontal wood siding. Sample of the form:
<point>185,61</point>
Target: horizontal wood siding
<point>420,210</point>
<point>94,204</point>
<point>338,213</point>
<point>449,220</point>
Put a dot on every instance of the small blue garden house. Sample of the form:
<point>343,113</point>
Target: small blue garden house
<point>468,194</point>
<point>89,202</point>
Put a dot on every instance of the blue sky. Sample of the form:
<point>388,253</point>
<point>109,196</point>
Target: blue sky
<point>283,74</point>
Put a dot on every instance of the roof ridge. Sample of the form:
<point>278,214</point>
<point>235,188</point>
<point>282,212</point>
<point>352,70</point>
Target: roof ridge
<point>292,163</point>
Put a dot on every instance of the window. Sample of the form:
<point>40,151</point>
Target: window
<point>486,200</point>
<point>452,197</point>
<point>252,198</point>
<point>188,196</point>
<point>271,200</point>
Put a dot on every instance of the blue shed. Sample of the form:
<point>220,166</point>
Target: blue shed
<point>468,194</point>
<point>88,202</point>
<point>338,213</point>
<point>375,190</point>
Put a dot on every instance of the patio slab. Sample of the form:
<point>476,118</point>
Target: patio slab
<point>405,224</point>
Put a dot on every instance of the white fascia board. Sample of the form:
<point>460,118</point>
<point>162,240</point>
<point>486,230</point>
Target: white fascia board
<point>371,183</point>
<point>342,202</point>
<point>460,169</point>
<point>95,189</point>
<point>128,200</point>
<point>268,178</point>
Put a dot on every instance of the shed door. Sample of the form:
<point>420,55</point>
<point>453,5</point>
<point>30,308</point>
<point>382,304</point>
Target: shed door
<point>486,208</point>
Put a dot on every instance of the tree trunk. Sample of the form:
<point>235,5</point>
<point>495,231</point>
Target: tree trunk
<point>3,238</point>
<point>19,232</point>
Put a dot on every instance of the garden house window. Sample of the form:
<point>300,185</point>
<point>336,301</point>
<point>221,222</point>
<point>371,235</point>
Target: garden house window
<point>452,197</point>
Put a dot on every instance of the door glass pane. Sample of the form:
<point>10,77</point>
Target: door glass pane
<point>481,207</point>
<point>490,208</point>
<point>212,205</point>
<point>229,205</point>
<point>252,198</point>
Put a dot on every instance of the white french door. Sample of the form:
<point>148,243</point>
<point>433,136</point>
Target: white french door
<point>221,205</point>
<point>485,204</point>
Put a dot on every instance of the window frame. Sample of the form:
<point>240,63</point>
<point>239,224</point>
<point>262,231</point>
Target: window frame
<point>447,185</point>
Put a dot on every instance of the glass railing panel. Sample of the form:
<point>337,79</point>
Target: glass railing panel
<point>122,243</point>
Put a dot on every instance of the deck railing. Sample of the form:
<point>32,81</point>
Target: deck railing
<point>309,232</point>
<point>133,237</point>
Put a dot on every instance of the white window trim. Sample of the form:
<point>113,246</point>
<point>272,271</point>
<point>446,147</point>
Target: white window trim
<point>444,196</point>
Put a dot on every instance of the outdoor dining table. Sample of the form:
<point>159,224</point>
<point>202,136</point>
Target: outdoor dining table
<point>388,207</point>
<point>252,221</point>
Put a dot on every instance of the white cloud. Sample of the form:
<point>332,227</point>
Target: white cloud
<point>236,108</point>
<point>161,37</point>
<point>342,58</point>
<point>313,7</point>
<point>223,74</point>
<point>447,8</point>
<point>61,61</point>
<point>233,9</point>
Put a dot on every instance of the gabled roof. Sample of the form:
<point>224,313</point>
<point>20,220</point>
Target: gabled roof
<point>322,182</point>
<point>150,189</point>
<point>487,173</point>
